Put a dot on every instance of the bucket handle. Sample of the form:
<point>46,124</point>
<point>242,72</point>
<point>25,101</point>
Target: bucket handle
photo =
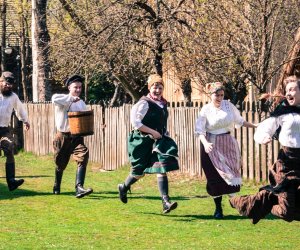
<point>71,105</point>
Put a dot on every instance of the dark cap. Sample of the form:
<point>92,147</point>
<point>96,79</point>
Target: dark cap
<point>74,78</point>
<point>8,77</point>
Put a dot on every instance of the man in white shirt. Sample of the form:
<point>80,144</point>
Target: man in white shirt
<point>9,101</point>
<point>64,143</point>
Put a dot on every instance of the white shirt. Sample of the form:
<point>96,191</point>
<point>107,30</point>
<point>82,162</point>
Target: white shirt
<point>64,104</point>
<point>218,120</point>
<point>139,111</point>
<point>290,130</point>
<point>7,105</point>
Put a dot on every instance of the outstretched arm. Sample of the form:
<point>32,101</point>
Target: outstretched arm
<point>249,125</point>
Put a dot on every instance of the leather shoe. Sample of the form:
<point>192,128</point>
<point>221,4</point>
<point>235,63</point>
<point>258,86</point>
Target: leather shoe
<point>14,184</point>
<point>218,214</point>
<point>168,206</point>
<point>81,192</point>
<point>123,192</point>
<point>56,190</point>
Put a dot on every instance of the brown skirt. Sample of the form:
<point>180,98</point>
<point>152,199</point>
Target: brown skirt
<point>282,197</point>
<point>215,186</point>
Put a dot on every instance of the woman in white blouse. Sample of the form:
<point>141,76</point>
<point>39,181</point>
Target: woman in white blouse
<point>150,149</point>
<point>220,154</point>
<point>282,196</point>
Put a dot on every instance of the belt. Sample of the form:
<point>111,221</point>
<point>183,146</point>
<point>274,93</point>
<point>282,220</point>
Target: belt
<point>226,133</point>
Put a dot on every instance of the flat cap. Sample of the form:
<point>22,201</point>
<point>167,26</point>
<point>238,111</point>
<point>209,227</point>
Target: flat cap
<point>74,78</point>
<point>8,76</point>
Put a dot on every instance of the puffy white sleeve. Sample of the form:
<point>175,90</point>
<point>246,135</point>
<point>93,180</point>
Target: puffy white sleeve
<point>200,123</point>
<point>20,110</point>
<point>267,128</point>
<point>138,112</point>
<point>238,119</point>
<point>62,99</point>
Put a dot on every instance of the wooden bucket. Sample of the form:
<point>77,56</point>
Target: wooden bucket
<point>81,122</point>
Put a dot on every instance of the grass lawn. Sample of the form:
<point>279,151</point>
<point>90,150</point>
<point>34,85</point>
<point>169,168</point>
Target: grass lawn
<point>33,218</point>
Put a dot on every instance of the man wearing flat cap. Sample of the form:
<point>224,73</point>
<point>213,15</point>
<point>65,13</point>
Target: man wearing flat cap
<point>66,145</point>
<point>9,101</point>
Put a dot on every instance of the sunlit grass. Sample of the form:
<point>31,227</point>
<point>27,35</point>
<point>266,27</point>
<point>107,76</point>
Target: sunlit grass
<point>33,218</point>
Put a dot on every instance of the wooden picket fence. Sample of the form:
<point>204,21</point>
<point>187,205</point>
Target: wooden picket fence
<point>108,145</point>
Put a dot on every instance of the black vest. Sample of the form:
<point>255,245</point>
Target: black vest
<point>156,117</point>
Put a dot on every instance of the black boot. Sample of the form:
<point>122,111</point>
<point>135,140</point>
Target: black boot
<point>58,178</point>
<point>168,205</point>
<point>218,214</point>
<point>80,176</point>
<point>125,187</point>
<point>123,192</point>
<point>12,183</point>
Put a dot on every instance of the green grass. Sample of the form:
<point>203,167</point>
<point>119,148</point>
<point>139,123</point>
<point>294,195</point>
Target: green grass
<point>33,218</point>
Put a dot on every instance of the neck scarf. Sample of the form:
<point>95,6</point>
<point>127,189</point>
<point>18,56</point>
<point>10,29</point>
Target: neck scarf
<point>284,108</point>
<point>154,98</point>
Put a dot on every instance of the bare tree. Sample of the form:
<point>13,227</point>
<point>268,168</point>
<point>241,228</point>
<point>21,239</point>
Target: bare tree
<point>125,39</point>
<point>40,48</point>
<point>239,43</point>
<point>242,43</point>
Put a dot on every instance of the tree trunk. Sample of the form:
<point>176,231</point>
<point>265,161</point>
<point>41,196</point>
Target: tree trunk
<point>116,95</point>
<point>40,52</point>
<point>187,90</point>
<point>158,43</point>
<point>86,87</point>
<point>24,54</point>
<point>135,96</point>
<point>3,38</point>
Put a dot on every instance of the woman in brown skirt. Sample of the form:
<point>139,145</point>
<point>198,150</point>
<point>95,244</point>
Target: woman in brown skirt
<point>220,154</point>
<point>282,196</point>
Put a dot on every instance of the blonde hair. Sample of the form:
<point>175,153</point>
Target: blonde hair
<point>214,87</point>
<point>154,78</point>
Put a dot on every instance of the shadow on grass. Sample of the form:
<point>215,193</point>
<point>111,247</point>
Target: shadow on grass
<point>194,217</point>
<point>115,195</point>
<point>7,195</point>
<point>29,176</point>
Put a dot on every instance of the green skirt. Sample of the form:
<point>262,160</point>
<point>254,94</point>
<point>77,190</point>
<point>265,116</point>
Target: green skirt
<point>149,156</point>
